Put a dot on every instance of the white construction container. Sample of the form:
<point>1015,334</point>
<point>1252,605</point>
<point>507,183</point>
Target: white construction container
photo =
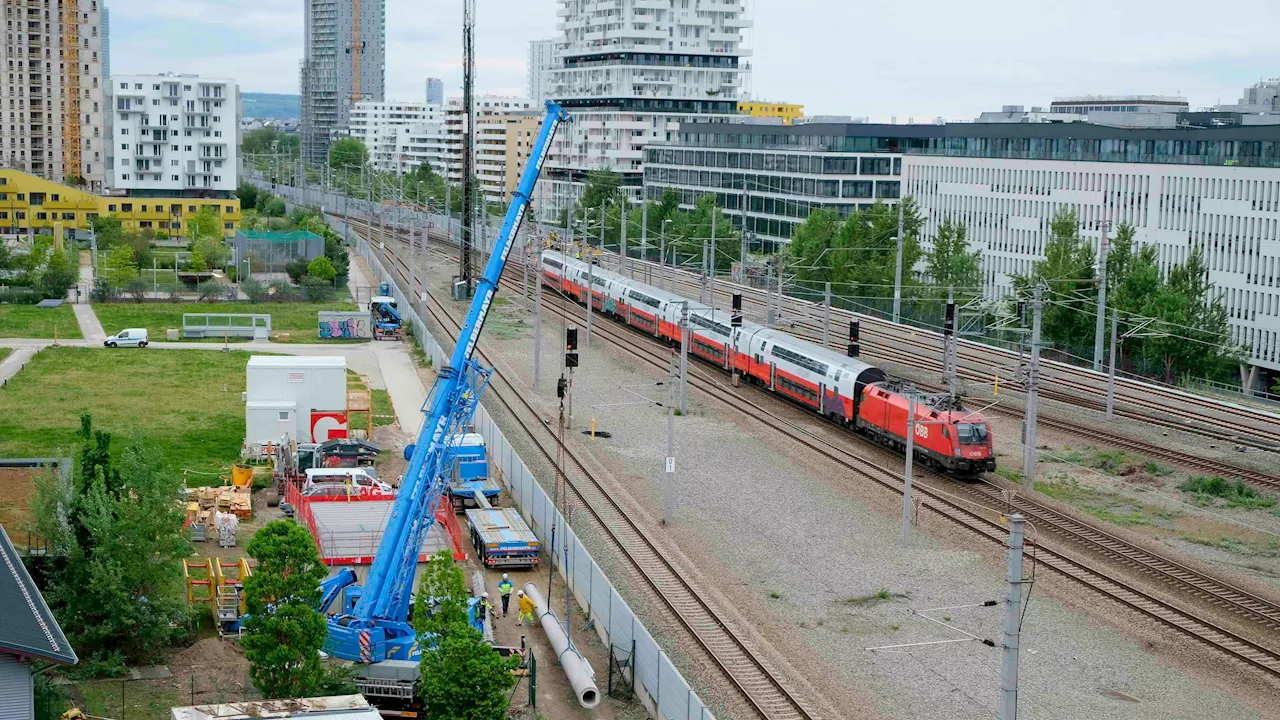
<point>304,397</point>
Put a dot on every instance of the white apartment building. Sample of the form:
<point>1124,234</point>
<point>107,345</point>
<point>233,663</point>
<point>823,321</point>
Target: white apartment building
<point>174,134</point>
<point>386,128</point>
<point>542,59</point>
<point>485,106</point>
<point>631,72</point>
<point>402,148</point>
<point>51,124</point>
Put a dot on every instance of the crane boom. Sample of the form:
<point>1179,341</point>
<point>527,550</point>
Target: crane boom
<point>377,628</point>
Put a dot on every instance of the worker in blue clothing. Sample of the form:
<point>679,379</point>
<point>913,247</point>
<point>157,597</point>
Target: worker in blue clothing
<point>504,588</point>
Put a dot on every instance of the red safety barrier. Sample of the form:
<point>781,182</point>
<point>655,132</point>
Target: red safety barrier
<point>449,519</point>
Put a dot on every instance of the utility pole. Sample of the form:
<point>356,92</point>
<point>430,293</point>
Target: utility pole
<point>1111,370</point>
<point>1012,623</point>
<point>413,263</point>
<point>897,269</point>
<point>768,296</point>
<point>669,494</point>
<point>711,262</point>
<point>702,287</point>
<point>468,142</point>
<point>591,292</point>
<point>448,206</point>
<point>524,269</point>
<point>906,474</point>
<point>662,254</point>
<point>1103,248</point>
<point>742,256</point>
<point>684,357</point>
<point>949,343</point>
<point>623,265</point>
<point>826,318</point>
<point>537,321</point>
<point>644,241</point>
<point>1033,379</point>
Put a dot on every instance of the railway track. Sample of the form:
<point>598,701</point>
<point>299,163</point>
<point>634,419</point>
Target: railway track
<point>1156,404</point>
<point>760,687</point>
<point>1192,584</point>
<point>1262,480</point>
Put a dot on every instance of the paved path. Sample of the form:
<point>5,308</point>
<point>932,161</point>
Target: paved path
<point>89,325</point>
<point>12,364</point>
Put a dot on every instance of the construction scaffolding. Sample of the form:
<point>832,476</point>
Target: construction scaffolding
<point>71,89</point>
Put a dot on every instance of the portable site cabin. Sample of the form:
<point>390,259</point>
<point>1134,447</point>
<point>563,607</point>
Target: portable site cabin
<point>302,397</point>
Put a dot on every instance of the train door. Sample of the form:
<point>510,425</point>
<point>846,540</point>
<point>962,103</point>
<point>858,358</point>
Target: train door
<point>773,375</point>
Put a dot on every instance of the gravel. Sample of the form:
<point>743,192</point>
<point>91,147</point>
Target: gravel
<point>790,540</point>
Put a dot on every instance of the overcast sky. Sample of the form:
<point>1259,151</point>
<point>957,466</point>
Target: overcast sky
<point>922,59</point>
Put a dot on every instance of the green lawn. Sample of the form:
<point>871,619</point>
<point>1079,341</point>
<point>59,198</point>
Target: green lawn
<point>29,321</point>
<point>298,319</point>
<point>4,353</point>
<point>173,398</point>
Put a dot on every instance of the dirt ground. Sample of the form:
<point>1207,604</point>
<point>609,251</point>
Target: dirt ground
<point>17,488</point>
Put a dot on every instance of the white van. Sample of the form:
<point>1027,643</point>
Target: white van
<point>133,337</point>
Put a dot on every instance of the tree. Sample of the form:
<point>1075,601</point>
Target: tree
<point>692,229</point>
<point>271,206</point>
<point>107,231</point>
<point>1068,272</point>
<point>213,250</point>
<point>317,289</point>
<point>860,258</point>
<point>58,275</point>
<point>117,590</point>
<point>120,269</point>
<point>285,631</point>
<point>270,140</point>
<point>321,268</point>
<point>950,263</point>
<point>348,153</point>
<point>462,677</point>
<point>248,194</point>
<point>602,186</point>
<point>204,225</point>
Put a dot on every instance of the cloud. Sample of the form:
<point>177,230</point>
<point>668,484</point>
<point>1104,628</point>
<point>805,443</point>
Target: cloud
<point>879,60</point>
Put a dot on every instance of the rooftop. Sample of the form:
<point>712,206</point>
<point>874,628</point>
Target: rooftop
<point>27,627</point>
<point>337,707</point>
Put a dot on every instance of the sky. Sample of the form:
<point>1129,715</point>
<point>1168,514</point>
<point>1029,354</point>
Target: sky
<point>917,60</point>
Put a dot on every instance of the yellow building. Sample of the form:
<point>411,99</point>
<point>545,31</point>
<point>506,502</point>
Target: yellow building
<point>30,202</point>
<point>760,108</point>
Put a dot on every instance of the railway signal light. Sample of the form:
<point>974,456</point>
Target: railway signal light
<point>1021,312</point>
<point>949,325</point>
<point>562,385</point>
<point>571,347</point>
<point>735,319</point>
<point>855,327</point>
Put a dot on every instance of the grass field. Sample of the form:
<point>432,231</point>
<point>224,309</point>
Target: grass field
<point>29,321</point>
<point>299,320</point>
<point>4,353</point>
<point>174,399</point>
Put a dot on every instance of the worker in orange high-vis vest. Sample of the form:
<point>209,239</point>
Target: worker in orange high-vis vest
<point>526,608</point>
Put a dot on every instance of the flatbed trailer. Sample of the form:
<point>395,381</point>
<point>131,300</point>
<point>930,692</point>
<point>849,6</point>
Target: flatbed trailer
<point>463,493</point>
<point>502,539</point>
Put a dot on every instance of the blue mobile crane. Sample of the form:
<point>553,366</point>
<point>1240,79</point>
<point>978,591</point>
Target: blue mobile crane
<point>384,316</point>
<point>378,626</point>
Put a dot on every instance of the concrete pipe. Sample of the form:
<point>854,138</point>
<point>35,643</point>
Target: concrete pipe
<point>478,589</point>
<point>581,677</point>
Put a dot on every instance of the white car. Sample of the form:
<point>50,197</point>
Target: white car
<point>132,337</point>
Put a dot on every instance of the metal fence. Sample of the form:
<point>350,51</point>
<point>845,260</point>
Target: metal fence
<point>657,682</point>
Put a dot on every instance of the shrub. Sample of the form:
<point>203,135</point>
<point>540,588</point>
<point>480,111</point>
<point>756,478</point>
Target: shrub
<point>1235,494</point>
<point>296,269</point>
<point>321,268</point>
<point>137,290</point>
<point>212,291</point>
<point>280,290</point>
<point>255,289</point>
<point>317,290</point>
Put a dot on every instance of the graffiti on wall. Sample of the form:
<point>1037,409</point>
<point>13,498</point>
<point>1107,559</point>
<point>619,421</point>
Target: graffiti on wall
<point>344,326</point>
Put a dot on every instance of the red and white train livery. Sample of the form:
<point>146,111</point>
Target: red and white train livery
<point>844,389</point>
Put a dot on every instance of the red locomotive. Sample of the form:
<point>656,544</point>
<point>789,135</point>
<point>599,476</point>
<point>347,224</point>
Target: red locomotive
<point>844,389</point>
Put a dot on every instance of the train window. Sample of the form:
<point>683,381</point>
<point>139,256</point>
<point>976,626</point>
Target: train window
<point>972,433</point>
<point>945,432</point>
<point>552,262</point>
<point>709,324</point>
<point>838,374</point>
<point>801,360</point>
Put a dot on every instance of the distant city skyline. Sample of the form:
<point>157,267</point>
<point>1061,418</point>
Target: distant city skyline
<point>996,52</point>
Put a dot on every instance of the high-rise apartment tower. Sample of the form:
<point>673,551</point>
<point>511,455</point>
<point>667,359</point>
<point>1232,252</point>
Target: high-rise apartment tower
<point>344,62</point>
<point>631,71</point>
<point>53,124</point>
